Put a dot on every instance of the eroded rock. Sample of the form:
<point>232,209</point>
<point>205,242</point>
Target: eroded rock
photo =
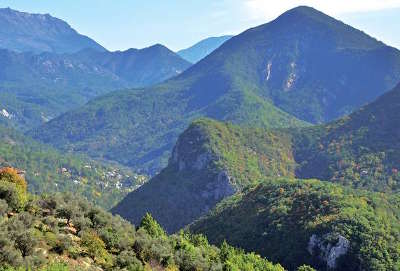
<point>327,251</point>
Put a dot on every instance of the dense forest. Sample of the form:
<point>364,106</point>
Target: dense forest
<point>324,225</point>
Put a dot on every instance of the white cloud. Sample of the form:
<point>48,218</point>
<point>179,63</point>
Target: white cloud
<point>267,9</point>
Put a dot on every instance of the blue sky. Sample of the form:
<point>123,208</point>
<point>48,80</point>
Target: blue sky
<point>122,24</point>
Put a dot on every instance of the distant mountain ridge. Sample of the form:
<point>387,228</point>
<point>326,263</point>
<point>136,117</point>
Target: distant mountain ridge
<point>22,32</point>
<point>304,65</point>
<point>39,87</point>
<point>203,48</point>
<point>139,67</point>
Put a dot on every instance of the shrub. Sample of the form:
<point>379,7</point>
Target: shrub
<point>95,247</point>
<point>13,188</point>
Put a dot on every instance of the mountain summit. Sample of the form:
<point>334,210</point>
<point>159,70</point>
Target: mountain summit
<point>21,32</point>
<point>303,64</point>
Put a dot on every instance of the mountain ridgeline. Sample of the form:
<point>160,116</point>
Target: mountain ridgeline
<point>213,160</point>
<point>303,66</point>
<point>202,49</point>
<point>237,184</point>
<point>38,87</point>
<point>26,32</point>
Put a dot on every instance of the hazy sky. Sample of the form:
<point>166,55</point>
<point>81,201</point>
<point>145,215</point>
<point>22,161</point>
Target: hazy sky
<point>122,24</point>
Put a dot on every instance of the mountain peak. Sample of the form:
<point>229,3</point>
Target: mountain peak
<point>157,46</point>
<point>307,12</point>
<point>23,31</point>
<point>307,23</point>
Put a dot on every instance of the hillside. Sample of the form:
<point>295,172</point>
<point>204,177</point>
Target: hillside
<point>328,226</point>
<point>36,88</point>
<point>62,232</point>
<point>210,161</point>
<point>213,160</point>
<point>23,32</point>
<point>48,170</point>
<point>139,67</point>
<point>203,48</point>
<point>361,150</point>
<point>304,63</point>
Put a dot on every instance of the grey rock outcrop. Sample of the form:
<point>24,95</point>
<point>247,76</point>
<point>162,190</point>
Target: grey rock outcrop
<point>326,251</point>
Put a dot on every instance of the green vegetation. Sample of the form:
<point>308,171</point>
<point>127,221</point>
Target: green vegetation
<point>361,150</point>
<point>51,267</point>
<point>195,178</point>
<point>51,69</point>
<point>63,232</point>
<point>213,160</point>
<point>37,88</point>
<point>13,188</point>
<point>48,170</point>
<point>304,65</point>
<point>279,217</point>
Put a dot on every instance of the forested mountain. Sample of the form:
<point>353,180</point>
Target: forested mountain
<point>294,221</point>
<point>47,170</point>
<point>23,32</point>
<point>202,49</point>
<point>210,161</point>
<point>304,62</point>
<point>63,232</point>
<point>213,160</point>
<point>361,149</point>
<point>139,67</point>
<point>35,88</point>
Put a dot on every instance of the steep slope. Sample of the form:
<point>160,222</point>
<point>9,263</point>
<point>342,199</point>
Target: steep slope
<point>361,150</point>
<point>328,226</point>
<point>36,88</point>
<point>140,67</point>
<point>38,33</point>
<point>213,160</point>
<point>64,232</point>
<point>304,62</point>
<point>48,170</point>
<point>202,49</point>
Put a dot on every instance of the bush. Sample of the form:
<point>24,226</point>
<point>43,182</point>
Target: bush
<point>3,207</point>
<point>95,247</point>
<point>9,193</point>
<point>9,255</point>
<point>13,188</point>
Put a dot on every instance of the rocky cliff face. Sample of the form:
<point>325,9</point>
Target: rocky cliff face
<point>38,33</point>
<point>327,251</point>
<point>192,184</point>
